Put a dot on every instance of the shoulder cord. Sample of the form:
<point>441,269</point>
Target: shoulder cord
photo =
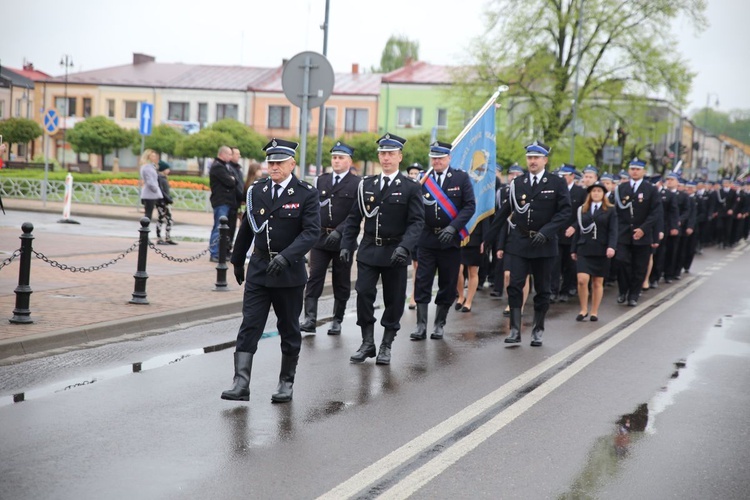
<point>251,219</point>
<point>619,203</point>
<point>590,227</point>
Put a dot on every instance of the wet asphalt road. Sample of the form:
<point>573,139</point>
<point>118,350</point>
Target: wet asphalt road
<point>651,402</point>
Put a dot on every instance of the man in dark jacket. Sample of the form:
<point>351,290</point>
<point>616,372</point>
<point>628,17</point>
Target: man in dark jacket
<point>283,219</point>
<point>239,188</point>
<point>539,207</point>
<point>391,206</point>
<point>564,267</point>
<point>223,195</point>
<point>337,193</point>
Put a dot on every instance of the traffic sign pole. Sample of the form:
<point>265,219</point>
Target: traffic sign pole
<point>303,117</point>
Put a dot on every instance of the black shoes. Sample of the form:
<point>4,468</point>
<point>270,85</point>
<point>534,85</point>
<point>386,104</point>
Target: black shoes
<point>311,316</point>
<point>632,302</point>
<point>286,379</point>
<point>367,349</point>
<point>581,317</point>
<point>538,329</point>
<point>515,327</point>
<point>621,298</point>
<point>421,332</point>
<point>243,365</point>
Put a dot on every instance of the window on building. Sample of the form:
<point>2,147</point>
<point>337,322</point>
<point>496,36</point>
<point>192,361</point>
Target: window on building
<point>179,111</point>
<point>110,108</point>
<point>279,116</point>
<point>226,111</point>
<point>409,117</point>
<point>203,114</point>
<point>131,110</point>
<point>329,124</point>
<point>66,108</point>
<point>442,118</point>
<point>86,107</point>
<point>2,109</point>
<point>356,120</point>
<point>18,107</point>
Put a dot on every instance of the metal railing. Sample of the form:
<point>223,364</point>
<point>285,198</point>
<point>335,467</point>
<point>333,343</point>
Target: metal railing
<point>99,194</point>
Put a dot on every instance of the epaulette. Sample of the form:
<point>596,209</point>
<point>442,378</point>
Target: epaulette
<point>369,177</point>
<point>306,185</point>
<point>262,180</point>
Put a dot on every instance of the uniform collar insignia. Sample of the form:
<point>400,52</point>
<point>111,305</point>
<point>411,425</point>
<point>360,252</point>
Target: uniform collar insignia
<point>290,191</point>
<point>265,188</point>
<point>397,181</point>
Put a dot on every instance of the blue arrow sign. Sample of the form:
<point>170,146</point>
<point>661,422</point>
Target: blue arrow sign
<point>147,114</point>
<point>51,121</point>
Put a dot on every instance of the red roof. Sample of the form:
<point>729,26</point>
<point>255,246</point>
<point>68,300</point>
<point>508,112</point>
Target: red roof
<point>32,74</point>
<point>344,83</point>
<point>421,72</point>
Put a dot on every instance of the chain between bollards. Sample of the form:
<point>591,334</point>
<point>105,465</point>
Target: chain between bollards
<point>22,312</point>
<point>221,267</point>
<point>139,292</point>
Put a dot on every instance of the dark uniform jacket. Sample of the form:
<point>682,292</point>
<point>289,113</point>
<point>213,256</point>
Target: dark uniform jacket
<point>596,243</point>
<point>398,223</point>
<point>683,209</point>
<point>670,210</point>
<point>645,210</point>
<point>702,206</point>
<point>293,227</point>
<point>239,186</point>
<point>457,187</point>
<point>335,205</point>
<point>725,201</point>
<point>222,184</point>
<point>577,197</point>
<point>692,216</point>
<point>549,210</point>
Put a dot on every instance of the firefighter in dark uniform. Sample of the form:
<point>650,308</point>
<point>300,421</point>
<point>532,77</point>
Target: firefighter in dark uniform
<point>539,206</point>
<point>391,204</point>
<point>668,230</point>
<point>448,198</point>
<point>283,218</point>
<point>338,192</point>
<point>727,199</point>
<point>638,205</point>
<point>673,264</point>
<point>564,267</point>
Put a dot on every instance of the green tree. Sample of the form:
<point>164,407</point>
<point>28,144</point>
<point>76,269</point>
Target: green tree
<point>163,138</point>
<point>417,150</point>
<point>204,144</point>
<point>19,130</point>
<point>365,149</point>
<point>248,140</point>
<point>625,49</point>
<point>98,135</point>
<point>398,49</point>
<point>312,150</point>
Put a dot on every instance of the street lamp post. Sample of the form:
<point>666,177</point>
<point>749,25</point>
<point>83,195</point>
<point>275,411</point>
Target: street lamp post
<point>66,62</point>
<point>705,126</point>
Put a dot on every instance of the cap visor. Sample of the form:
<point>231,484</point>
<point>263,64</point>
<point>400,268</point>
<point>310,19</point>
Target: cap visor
<point>277,157</point>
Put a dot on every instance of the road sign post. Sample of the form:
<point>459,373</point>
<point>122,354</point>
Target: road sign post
<point>51,126</point>
<point>146,124</point>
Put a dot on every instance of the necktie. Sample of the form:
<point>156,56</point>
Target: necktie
<point>386,181</point>
<point>593,208</point>
<point>632,185</point>
<point>276,188</point>
<point>533,182</point>
<point>437,179</point>
<point>336,180</point>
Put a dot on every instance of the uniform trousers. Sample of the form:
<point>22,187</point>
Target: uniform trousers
<point>541,270</point>
<point>672,264</point>
<point>446,261</point>
<point>689,249</point>
<point>394,293</point>
<point>341,278</point>
<point>632,266</point>
<point>256,304</point>
<point>724,226</point>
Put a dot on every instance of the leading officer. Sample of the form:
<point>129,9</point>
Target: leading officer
<point>539,207</point>
<point>391,204</point>
<point>283,217</point>
<point>448,198</point>
<point>338,192</point>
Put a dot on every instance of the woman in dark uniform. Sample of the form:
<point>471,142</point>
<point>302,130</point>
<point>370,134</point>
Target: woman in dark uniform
<point>593,247</point>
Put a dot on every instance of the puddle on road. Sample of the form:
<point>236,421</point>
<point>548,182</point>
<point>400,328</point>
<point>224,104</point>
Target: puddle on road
<point>606,456</point>
<point>150,364</point>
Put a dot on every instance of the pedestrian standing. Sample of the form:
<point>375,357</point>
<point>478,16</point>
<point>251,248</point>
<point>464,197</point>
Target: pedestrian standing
<point>564,272</point>
<point>283,218</point>
<point>337,194</point>
<point>638,206</point>
<point>150,192</point>
<point>593,247</point>
<point>539,207</point>
<point>223,195</point>
<point>163,208</point>
<point>391,206</point>
<point>448,198</point>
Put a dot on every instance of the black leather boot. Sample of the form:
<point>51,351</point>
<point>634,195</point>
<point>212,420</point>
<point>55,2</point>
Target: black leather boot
<point>311,315</point>
<point>441,316</point>
<point>243,365</point>
<point>339,308</point>
<point>367,349</point>
<point>538,328</point>
<point>286,379</point>
<point>421,332</point>
<point>384,353</point>
<point>515,326</point>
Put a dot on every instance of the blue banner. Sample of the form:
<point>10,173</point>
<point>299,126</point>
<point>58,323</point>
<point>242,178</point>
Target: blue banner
<point>474,152</point>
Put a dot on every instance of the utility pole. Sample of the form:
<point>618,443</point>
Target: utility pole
<point>67,62</point>
<point>705,128</point>
<point>575,91</point>
<point>322,111</point>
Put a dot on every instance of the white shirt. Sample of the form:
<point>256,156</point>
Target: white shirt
<point>283,185</point>
<point>595,207</point>
<point>392,177</point>
<point>635,184</point>
<point>538,177</point>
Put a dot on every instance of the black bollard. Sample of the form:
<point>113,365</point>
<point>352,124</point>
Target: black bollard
<point>139,292</point>
<point>22,313</point>
<point>221,267</point>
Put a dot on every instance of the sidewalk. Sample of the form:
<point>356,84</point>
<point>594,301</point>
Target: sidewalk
<point>74,308</point>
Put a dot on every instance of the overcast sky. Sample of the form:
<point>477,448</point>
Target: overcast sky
<point>98,34</point>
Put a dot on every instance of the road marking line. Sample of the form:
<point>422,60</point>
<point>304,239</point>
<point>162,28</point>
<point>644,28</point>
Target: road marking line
<point>417,479</point>
<point>400,456</point>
